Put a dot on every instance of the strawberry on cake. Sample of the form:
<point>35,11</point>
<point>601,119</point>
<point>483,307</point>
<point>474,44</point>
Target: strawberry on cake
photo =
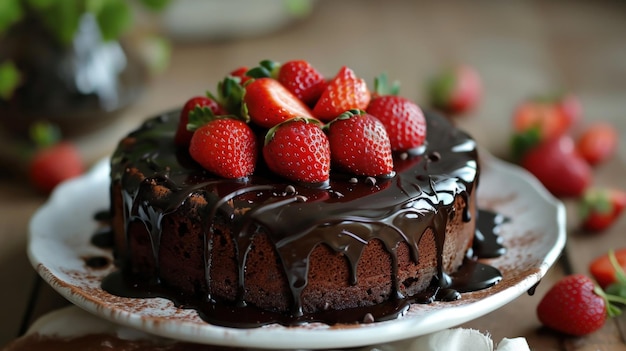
<point>291,197</point>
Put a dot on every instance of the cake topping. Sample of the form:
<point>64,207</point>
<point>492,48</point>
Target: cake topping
<point>268,103</point>
<point>403,119</point>
<point>298,149</point>
<point>196,105</point>
<point>226,147</point>
<point>273,93</point>
<point>344,92</point>
<point>359,144</point>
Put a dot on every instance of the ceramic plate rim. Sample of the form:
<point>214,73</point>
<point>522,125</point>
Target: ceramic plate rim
<point>278,337</point>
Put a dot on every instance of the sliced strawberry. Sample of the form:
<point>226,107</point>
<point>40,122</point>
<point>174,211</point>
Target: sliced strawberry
<point>344,92</point>
<point>359,144</point>
<point>456,90</point>
<point>269,103</point>
<point>608,269</point>
<point>573,306</point>
<point>200,104</point>
<point>54,164</point>
<point>226,147</point>
<point>558,167</point>
<point>298,149</point>
<point>403,119</point>
<point>600,208</point>
<point>597,143</point>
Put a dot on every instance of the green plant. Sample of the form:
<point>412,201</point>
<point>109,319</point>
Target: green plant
<point>61,18</point>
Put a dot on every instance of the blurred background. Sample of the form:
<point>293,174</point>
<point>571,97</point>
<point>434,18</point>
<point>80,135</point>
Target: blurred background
<point>96,77</point>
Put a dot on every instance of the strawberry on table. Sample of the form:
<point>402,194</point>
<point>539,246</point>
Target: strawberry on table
<point>573,306</point>
<point>359,144</point>
<point>535,121</point>
<point>608,270</point>
<point>403,119</point>
<point>571,108</point>
<point>224,146</point>
<point>558,167</point>
<point>298,149</point>
<point>344,92</point>
<point>198,104</point>
<point>269,103</point>
<point>600,208</point>
<point>456,90</point>
<point>54,164</point>
<point>597,143</point>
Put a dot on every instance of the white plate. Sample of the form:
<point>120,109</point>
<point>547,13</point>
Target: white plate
<point>61,230</point>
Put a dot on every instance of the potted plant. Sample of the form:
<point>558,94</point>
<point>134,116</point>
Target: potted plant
<point>64,61</point>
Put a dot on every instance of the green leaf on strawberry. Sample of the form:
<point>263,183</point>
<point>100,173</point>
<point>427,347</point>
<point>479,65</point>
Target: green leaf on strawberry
<point>383,88</point>
<point>522,142</point>
<point>230,95</point>
<point>615,293</point>
<point>265,69</point>
<point>600,208</point>
<point>199,116</point>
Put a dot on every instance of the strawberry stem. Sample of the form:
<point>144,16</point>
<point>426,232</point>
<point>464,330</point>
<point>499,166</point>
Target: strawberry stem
<point>44,134</point>
<point>382,87</point>
<point>611,309</point>
<point>620,275</point>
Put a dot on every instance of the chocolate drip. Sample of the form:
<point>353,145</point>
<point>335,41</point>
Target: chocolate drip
<point>423,190</point>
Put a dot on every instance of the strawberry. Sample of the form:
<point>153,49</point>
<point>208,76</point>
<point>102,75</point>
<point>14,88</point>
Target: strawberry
<point>535,121</point>
<point>269,103</point>
<point>54,164</point>
<point>597,143</point>
<point>573,306</point>
<point>241,74</point>
<point>402,118</point>
<point>199,104</point>
<point>608,269</point>
<point>456,90</point>
<point>359,144</point>
<point>570,107</point>
<point>600,208</point>
<point>556,164</point>
<point>344,92</point>
<point>298,76</point>
<point>225,146</point>
<point>303,80</point>
<point>298,149</point>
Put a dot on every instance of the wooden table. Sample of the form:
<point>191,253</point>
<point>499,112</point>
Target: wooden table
<point>519,47</point>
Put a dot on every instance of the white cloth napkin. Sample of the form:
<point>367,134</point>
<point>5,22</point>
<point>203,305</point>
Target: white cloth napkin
<point>451,340</point>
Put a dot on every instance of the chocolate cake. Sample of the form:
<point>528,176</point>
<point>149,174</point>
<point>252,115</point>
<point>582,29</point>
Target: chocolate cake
<point>287,252</point>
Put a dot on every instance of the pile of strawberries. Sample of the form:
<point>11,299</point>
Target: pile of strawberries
<point>547,143</point>
<point>299,123</point>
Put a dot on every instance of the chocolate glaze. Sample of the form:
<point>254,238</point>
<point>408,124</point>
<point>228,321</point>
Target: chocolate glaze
<point>343,214</point>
